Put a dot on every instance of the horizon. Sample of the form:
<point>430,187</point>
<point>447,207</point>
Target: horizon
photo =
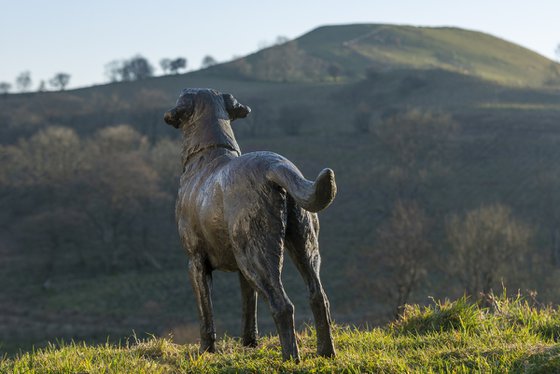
<point>111,31</point>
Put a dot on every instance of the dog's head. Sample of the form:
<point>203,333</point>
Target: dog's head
<point>194,101</point>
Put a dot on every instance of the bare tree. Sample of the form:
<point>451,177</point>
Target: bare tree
<point>113,70</point>
<point>136,68</point>
<point>178,64</point>
<point>60,81</point>
<point>557,51</point>
<point>416,135</point>
<point>89,197</point>
<point>334,71</point>
<point>417,143</point>
<point>208,61</point>
<point>488,243</point>
<point>124,182</point>
<point>23,81</point>
<point>49,158</point>
<point>5,87</point>
<point>165,63</point>
<point>281,39</point>
<point>402,253</point>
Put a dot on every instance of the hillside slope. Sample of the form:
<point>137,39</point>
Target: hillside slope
<point>331,53</point>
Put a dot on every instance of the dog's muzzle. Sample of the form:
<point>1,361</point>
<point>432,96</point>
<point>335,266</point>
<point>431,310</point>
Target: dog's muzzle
<point>172,117</point>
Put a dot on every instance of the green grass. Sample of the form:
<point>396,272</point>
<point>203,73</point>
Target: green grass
<point>458,337</point>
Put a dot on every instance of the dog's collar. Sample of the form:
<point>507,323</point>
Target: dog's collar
<point>209,147</point>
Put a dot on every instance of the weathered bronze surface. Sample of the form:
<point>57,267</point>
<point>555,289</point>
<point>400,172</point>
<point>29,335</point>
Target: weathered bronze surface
<point>239,212</point>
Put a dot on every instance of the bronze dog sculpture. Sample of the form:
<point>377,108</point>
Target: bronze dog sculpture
<point>237,213</point>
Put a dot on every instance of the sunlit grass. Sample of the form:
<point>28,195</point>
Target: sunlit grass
<point>459,337</point>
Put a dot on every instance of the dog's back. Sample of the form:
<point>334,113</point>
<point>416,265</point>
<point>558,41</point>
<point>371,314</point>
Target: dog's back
<point>224,201</point>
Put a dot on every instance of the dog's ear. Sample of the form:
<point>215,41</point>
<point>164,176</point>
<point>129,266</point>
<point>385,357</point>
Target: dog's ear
<point>234,108</point>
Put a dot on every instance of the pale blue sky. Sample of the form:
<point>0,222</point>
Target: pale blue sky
<point>79,37</point>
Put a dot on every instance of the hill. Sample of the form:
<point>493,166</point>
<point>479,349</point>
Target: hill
<point>350,51</point>
<point>450,337</point>
<point>88,178</point>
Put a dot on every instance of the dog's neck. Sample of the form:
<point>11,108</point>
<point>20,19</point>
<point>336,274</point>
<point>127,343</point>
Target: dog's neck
<point>226,147</point>
<point>208,130</point>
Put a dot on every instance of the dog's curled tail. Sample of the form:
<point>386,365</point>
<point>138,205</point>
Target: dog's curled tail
<point>311,196</point>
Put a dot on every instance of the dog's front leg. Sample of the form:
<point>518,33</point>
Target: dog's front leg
<point>201,279</point>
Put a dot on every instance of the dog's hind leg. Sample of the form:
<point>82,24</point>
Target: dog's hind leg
<point>303,246</point>
<point>249,300</point>
<point>201,279</point>
<point>260,261</point>
<point>267,281</point>
<point>257,235</point>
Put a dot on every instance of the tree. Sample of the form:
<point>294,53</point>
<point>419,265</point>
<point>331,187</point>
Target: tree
<point>92,201</point>
<point>60,81</point>
<point>42,86</point>
<point>113,70</point>
<point>287,62</point>
<point>165,64</point>
<point>281,39</point>
<point>208,61</point>
<point>178,64</point>
<point>165,158</point>
<point>119,139</point>
<point>488,243</point>
<point>557,51</point>
<point>136,68</point>
<point>119,185</point>
<point>49,159</point>
<point>147,118</point>
<point>416,142</point>
<point>5,87</point>
<point>415,135</point>
<point>402,252</point>
<point>334,71</point>
<point>129,70</point>
<point>23,81</point>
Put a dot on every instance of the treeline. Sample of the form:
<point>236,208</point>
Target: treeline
<point>24,82</point>
<point>422,246</point>
<point>90,205</point>
<point>103,203</point>
<point>134,68</point>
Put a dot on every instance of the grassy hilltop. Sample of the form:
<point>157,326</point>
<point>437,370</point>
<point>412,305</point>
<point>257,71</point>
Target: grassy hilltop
<point>88,178</point>
<point>455,337</point>
<point>353,49</point>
